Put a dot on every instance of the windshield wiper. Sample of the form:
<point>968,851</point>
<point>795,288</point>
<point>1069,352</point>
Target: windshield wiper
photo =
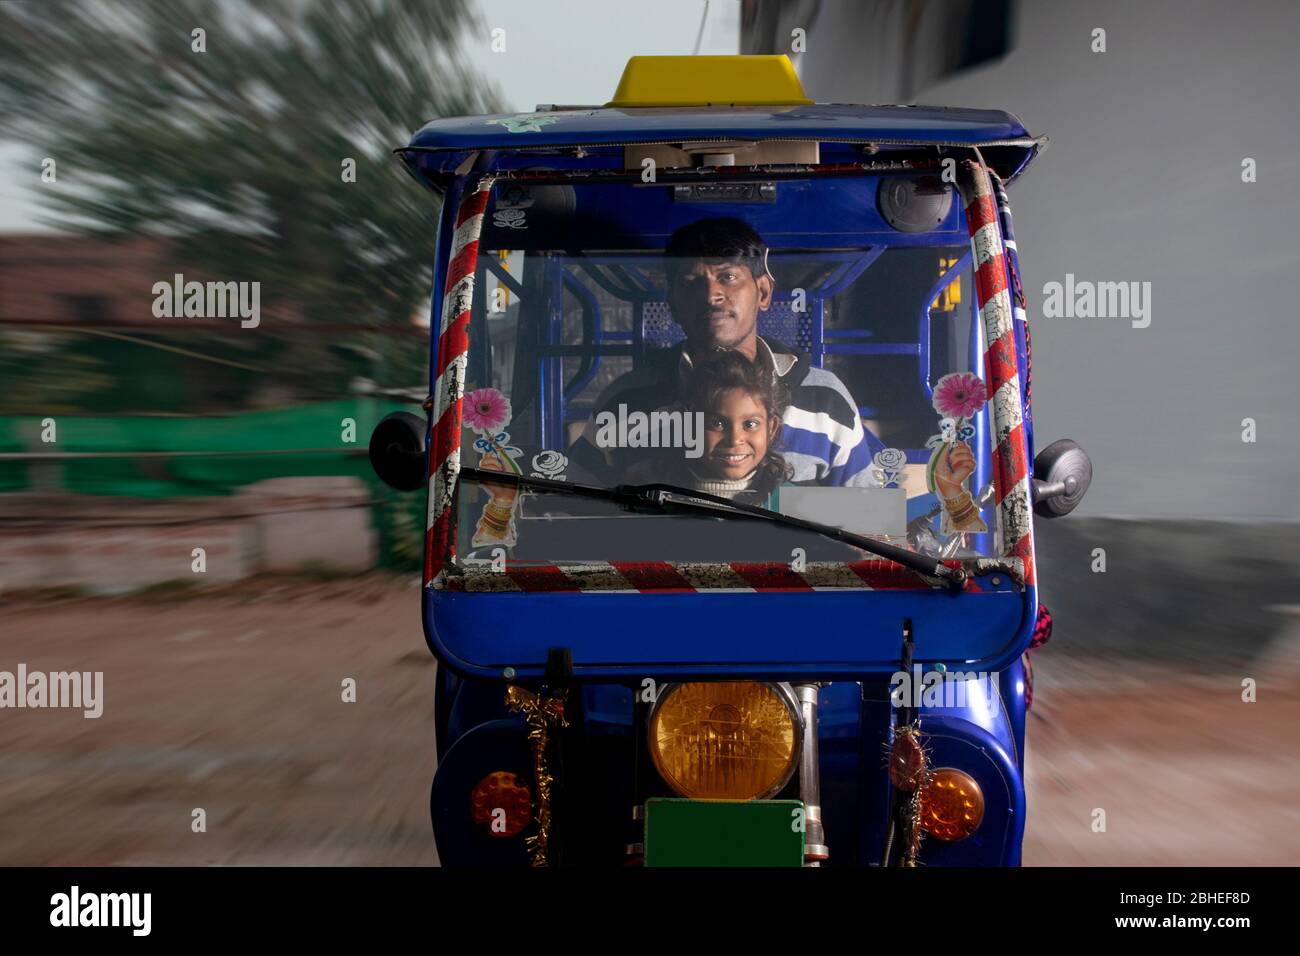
<point>668,498</point>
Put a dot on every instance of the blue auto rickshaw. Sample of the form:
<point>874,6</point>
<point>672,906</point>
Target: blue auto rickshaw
<point>637,671</point>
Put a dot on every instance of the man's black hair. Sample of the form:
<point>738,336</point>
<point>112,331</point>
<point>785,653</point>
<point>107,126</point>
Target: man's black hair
<point>724,239</point>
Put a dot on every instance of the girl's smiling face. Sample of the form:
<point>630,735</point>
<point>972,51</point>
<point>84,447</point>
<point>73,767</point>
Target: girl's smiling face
<point>737,434</point>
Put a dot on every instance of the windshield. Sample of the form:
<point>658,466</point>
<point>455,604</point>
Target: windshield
<point>786,344</point>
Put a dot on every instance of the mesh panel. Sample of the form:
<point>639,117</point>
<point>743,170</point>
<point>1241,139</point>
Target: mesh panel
<point>658,327</point>
<point>780,322</point>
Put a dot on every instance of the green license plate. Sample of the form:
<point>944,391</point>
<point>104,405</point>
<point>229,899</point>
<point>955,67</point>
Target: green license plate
<point>723,832</point>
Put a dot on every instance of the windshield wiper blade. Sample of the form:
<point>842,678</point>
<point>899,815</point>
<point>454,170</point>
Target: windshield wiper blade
<point>668,498</point>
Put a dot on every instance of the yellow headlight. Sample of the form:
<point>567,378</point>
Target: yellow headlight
<point>736,740</point>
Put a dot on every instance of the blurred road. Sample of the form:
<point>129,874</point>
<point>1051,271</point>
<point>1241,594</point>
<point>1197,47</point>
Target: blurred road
<point>232,702</point>
<point>1186,772</point>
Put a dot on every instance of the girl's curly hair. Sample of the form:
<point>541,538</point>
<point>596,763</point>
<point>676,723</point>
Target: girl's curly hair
<point>726,370</point>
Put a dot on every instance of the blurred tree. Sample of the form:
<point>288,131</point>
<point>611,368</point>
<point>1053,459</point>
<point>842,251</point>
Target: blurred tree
<point>238,152</point>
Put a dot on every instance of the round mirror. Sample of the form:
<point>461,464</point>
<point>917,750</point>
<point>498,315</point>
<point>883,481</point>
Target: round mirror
<point>1062,474</point>
<point>397,452</point>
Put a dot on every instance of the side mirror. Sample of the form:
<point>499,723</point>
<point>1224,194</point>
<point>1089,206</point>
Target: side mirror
<point>1062,474</point>
<point>397,452</point>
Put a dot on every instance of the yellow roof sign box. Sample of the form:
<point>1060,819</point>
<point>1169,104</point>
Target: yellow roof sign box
<point>709,81</point>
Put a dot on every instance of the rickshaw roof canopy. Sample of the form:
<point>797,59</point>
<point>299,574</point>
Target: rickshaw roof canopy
<point>612,125</point>
<point>654,104</point>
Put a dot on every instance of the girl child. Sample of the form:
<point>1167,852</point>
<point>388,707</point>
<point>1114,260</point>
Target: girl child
<point>742,403</point>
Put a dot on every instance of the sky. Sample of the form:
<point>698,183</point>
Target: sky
<point>579,57</point>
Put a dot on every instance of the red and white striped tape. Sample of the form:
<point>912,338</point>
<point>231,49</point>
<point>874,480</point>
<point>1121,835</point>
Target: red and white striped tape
<point>1011,478</point>
<point>449,379</point>
<point>639,577</point>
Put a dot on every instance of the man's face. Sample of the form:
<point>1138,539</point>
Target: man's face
<point>717,304</point>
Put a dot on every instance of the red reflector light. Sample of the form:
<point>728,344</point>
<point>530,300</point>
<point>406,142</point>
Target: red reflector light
<point>501,803</point>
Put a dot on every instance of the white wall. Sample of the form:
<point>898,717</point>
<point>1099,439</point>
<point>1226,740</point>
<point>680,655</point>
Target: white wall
<point>1142,182</point>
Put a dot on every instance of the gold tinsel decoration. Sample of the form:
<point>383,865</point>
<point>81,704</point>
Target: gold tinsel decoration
<point>912,814</point>
<point>539,713</point>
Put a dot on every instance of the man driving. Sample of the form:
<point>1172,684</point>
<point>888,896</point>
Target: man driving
<point>718,283</point>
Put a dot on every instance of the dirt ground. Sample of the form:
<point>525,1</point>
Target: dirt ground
<point>232,702</point>
<point>1188,774</point>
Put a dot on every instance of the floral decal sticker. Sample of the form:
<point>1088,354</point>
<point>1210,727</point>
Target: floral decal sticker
<point>889,467</point>
<point>960,395</point>
<point>550,464</point>
<point>524,122</point>
<point>511,210</point>
<point>486,412</point>
<point>958,398</point>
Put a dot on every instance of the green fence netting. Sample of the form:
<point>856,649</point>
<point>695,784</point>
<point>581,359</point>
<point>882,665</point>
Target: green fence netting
<point>235,450</point>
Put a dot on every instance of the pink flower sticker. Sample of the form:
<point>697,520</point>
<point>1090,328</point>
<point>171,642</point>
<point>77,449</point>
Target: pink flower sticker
<point>485,410</point>
<point>960,395</point>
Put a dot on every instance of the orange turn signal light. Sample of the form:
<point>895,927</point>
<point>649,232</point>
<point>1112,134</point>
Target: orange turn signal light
<point>952,805</point>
